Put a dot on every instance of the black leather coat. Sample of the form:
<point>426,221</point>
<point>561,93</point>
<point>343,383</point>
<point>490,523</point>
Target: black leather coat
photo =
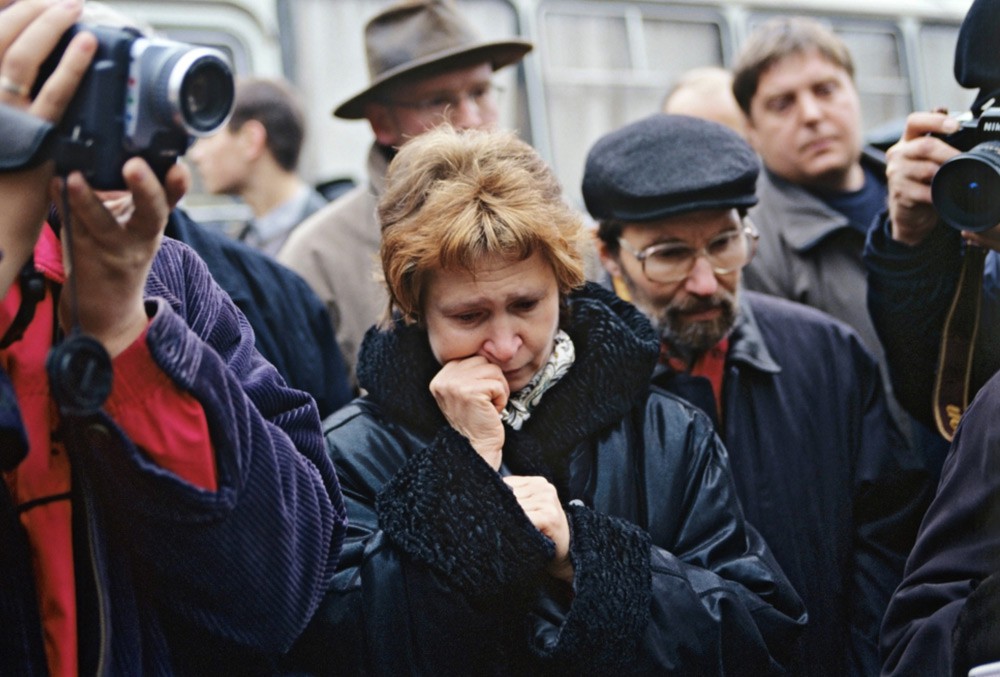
<point>442,573</point>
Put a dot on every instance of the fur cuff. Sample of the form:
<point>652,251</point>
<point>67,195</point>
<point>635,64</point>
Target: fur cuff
<point>613,591</point>
<point>449,510</point>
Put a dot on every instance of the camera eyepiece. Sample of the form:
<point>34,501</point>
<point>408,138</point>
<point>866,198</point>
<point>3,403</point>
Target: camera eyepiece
<point>966,188</point>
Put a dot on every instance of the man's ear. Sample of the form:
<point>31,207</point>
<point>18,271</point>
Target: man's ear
<point>383,125</point>
<point>253,138</point>
<point>752,133</point>
<point>608,260</point>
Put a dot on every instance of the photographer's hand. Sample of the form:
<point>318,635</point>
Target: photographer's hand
<point>112,256</point>
<point>29,31</point>
<point>986,238</point>
<point>910,166</point>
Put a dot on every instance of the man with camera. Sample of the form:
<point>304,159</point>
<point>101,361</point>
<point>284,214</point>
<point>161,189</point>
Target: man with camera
<point>934,295</point>
<point>915,261</point>
<point>167,506</point>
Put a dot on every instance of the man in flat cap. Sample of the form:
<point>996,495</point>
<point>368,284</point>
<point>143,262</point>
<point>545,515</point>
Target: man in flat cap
<point>820,467</point>
<point>427,66</point>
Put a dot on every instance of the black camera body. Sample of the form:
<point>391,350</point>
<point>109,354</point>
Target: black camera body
<point>140,97</point>
<point>966,189</point>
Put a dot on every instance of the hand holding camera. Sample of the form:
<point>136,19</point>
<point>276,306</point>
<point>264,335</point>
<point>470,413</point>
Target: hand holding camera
<point>29,31</point>
<point>140,97</point>
<point>103,108</point>
<point>930,180</point>
<point>911,165</point>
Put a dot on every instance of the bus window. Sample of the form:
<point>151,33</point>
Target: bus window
<point>590,91</point>
<point>878,71</point>
<point>876,47</point>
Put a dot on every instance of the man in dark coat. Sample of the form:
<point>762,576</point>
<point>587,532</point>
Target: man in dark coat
<point>820,467</point>
<point>943,618</point>
<point>291,327</point>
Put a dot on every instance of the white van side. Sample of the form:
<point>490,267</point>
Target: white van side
<point>597,65</point>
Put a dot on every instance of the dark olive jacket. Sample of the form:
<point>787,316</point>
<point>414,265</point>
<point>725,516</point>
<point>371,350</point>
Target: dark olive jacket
<point>443,573</point>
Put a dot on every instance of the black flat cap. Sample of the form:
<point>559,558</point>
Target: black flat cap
<point>665,165</point>
<point>977,61</point>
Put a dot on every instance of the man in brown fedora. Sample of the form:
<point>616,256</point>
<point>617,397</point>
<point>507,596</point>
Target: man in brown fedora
<point>427,65</point>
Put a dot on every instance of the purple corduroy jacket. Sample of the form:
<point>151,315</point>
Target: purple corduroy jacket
<point>171,578</point>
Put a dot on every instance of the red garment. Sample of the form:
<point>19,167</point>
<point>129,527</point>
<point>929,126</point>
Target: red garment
<point>165,422</point>
<point>711,365</point>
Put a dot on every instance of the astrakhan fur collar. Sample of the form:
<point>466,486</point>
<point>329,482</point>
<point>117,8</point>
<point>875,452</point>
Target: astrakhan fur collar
<point>616,350</point>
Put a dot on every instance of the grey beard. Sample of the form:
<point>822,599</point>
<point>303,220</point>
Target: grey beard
<point>695,338</point>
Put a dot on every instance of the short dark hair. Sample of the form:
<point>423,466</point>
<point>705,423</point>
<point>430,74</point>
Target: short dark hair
<point>608,232</point>
<point>777,38</point>
<point>275,105</point>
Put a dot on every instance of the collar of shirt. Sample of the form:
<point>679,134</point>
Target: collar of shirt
<point>282,218</point>
<point>710,365</point>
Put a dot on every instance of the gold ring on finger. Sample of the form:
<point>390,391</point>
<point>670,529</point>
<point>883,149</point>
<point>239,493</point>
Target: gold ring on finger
<point>11,87</point>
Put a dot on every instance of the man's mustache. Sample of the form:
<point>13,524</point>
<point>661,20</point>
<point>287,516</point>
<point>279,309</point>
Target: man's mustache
<point>702,304</point>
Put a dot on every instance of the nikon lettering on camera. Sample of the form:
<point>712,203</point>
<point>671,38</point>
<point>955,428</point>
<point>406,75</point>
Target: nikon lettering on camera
<point>966,188</point>
<point>140,97</point>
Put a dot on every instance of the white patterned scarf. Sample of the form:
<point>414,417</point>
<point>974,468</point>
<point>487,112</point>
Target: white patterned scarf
<point>523,402</point>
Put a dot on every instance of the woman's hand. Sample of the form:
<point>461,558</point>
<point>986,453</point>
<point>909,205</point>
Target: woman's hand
<point>471,393</point>
<point>29,31</point>
<point>540,502</point>
<point>113,250</point>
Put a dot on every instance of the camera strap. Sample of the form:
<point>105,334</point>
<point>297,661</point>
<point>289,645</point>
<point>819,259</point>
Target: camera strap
<point>32,292</point>
<point>79,368</point>
<point>958,338</point>
<point>25,140</point>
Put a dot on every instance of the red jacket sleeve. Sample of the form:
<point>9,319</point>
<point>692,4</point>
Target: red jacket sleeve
<point>166,422</point>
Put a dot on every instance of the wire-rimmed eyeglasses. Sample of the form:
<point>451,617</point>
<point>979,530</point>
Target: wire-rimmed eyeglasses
<point>672,261</point>
<point>440,103</point>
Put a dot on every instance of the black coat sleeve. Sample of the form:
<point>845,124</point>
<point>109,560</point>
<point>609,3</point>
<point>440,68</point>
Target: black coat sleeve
<point>909,291</point>
<point>440,558</point>
<point>957,547</point>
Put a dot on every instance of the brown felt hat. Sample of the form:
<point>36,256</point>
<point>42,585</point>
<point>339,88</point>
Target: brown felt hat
<point>415,34</point>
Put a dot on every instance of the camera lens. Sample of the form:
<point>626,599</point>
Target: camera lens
<point>206,94</point>
<point>966,189</point>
